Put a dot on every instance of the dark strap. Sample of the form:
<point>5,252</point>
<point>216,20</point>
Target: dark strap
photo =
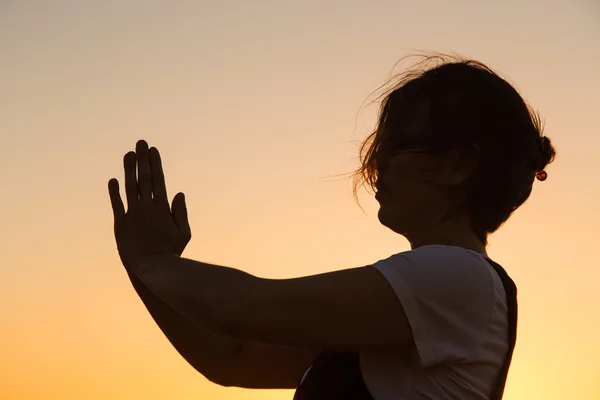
<point>511,301</point>
<point>334,376</point>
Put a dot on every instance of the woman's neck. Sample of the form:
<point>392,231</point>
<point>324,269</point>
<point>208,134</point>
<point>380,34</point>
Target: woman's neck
<point>450,233</point>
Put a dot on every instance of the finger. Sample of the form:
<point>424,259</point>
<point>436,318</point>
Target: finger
<point>144,171</point>
<point>131,189</point>
<point>159,187</point>
<point>180,216</point>
<point>115,199</point>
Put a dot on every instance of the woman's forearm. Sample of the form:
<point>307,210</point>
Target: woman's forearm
<point>209,353</point>
<point>204,293</point>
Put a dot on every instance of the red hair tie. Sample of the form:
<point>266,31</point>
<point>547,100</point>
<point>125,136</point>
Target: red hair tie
<point>541,175</point>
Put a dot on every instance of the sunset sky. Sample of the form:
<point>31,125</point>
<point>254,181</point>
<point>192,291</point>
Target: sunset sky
<point>255,106</point>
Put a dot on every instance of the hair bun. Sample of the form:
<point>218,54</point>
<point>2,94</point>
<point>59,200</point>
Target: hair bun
<point>548,152</point>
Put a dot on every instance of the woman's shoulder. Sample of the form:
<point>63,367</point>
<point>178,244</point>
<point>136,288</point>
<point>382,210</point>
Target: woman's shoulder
<point>443,262</point>
<point>453,277</point>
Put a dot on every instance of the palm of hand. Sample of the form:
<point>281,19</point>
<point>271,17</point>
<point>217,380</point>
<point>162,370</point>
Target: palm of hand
<point>149,226</point>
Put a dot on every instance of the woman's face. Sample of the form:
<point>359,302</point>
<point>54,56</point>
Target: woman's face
<point>415,189</point>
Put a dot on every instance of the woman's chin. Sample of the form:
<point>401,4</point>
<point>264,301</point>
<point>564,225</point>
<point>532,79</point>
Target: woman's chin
<point>381,215</point>
<point>393,221</point>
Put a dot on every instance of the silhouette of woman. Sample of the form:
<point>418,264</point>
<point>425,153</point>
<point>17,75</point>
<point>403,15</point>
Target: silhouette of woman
<point>455,152</point>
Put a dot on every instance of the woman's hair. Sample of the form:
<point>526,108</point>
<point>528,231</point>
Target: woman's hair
<point>445,103</point>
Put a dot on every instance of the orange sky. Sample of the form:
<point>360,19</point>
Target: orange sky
<point>253,106</point>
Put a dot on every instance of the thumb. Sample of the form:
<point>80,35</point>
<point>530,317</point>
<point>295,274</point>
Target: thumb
<point>180,216</point>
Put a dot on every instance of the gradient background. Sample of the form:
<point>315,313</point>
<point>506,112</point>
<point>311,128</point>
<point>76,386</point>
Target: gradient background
<point>253,106</point>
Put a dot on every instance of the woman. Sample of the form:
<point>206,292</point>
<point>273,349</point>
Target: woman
<point>455,153</point>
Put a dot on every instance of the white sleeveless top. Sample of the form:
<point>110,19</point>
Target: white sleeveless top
<point>456,305</point>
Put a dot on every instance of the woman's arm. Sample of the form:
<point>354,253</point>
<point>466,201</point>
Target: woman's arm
<point>348,310</point>
<point>224,360</point>
<point>206,351</point>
